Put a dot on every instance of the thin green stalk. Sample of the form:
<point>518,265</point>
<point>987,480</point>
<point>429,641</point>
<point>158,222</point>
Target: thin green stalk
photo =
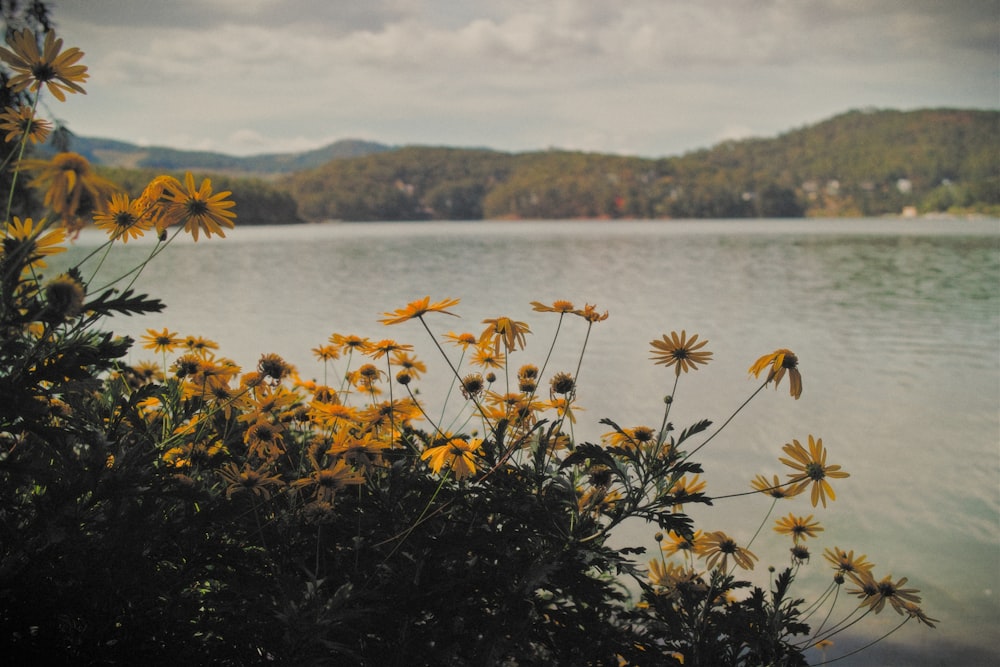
<point>666,412</point>
<point>455,372</point>
<point>726,423</point>
<point>20,156</point>
<point>868,645</point>
<point>138,269</point>
<point>402,538</point>
<point>761,526</point>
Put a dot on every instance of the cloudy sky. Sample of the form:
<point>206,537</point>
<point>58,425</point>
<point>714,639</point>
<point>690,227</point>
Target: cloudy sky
<point>642,77</point>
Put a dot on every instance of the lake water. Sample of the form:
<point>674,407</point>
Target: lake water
<point>896,324</point>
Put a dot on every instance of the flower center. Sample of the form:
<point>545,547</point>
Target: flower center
<point>815,471</point>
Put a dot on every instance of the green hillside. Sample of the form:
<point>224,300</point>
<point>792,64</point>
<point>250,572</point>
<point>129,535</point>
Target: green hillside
<point>111,153</point>
<point>860,163</point>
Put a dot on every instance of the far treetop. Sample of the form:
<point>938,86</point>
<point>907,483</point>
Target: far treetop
<point>860,163</point>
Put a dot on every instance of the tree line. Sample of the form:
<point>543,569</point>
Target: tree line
<point>861,163</point>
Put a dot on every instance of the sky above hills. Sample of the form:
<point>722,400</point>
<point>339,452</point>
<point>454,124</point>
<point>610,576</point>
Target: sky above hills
<point>640,77</point>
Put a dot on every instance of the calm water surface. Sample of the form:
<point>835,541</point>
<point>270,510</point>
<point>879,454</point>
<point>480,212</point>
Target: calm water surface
<point>896,325</point>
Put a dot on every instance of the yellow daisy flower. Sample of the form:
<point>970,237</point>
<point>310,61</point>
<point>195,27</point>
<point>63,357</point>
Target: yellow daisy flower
<point>71,185</point>
<point>458,454</point>
<point>719,547</point>
<point>124,219</point>
<point>22,121</point>
<point>506,331</point>
<point>160,341</point>
<point>385,347</point>
<point>874,594</point>
<point>678,543</point>
<point>798,527</point>
<point>774,487</point>
<point>681,352</point>
<point>29,241</point>
<point>325,481</point>
<point>556,307</point>
<point>256,481</point>
<point>780,361</point>
<point>811,468</point>
<point>413,366</point>
<point>462,340</point>
<point>487,357</point>
<point>589,313</point>
<point>844,562</point>
<point>197,208</point>
<point>417,309</point>
<point>52,67</point>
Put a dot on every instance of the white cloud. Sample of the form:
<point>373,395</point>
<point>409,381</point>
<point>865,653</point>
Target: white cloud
<point>658,76</point>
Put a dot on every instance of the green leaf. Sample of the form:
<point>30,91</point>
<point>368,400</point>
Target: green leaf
<point>127,303</point>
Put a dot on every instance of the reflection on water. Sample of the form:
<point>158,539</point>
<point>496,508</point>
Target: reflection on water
<point>897,326</point>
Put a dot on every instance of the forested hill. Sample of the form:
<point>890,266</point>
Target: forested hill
<point>858,163</point>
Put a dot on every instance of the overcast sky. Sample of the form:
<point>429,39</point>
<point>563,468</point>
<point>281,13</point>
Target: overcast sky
<point>642,77</point>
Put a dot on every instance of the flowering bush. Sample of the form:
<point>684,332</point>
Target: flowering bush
<point>185,507</point>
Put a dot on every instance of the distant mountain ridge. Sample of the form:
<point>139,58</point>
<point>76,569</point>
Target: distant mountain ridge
<point>114,153</point>
<point>859,163</point>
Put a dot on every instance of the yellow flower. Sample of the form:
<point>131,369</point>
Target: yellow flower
<point>160,341</point>
<point>199,345</point>
<point>197,208</point>
<point>329,415</point>
<point>363,451</point>
<point>486,357</point>
<point>844,562</point>
<point>326,352</point>
<point>669,575</point>
<point>589,313</point>
<point>274,367</point>
<point>780,361</point>
<point>65,296</point>
<point>775,487</point>
<point>29,242</point>
<point>350,343</point>
<point>677,543</point>
<point>54,68</point>
<point>556,307</point>
<point>682,353</point>
<point>913,611</point>
<point>22,121</point>
<point>388,413</point>
<point>719,547</point>
<point>504,330</point>
<point>152,202</point>
<point>458,454</point>
<point>264,439</point>
<point>473,386</point>
<point>462,340</point>
<point>684,489</point>
<point>413,366</point>
<point>71,185</point>
<point>256,481</point>
<point>630,438</point>
<point>811,468</point>
<point>327,480</point>
<point>384,347</point>
<point>564,407</point>
<point>124,219</point>
<point>798,527</point>
<point>874,594</point>
<point>417,309</point>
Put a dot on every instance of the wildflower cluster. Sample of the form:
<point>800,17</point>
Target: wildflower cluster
<point>182,505</point>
